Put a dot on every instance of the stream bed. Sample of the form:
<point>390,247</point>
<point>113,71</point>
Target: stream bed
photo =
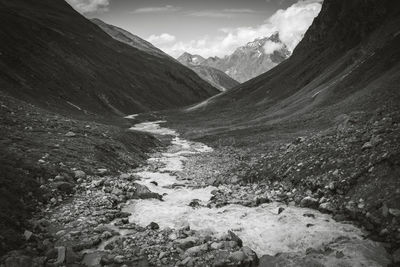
<point>262,228</point>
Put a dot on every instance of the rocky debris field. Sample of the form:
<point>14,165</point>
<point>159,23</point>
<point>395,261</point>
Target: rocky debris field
<point>90,229</point>
<point>82,220</point>
<point>43,156</point>
<point>351,170</point>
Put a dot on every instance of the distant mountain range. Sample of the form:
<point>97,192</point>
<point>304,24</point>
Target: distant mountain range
<point>214,76</point>
<point>251,60</point>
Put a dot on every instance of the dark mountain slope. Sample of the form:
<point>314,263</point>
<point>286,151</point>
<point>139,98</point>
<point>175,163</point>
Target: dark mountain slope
<point>54,57</point>
<point>214,76</point>
<point>348,60</point>
<point>129,38</point>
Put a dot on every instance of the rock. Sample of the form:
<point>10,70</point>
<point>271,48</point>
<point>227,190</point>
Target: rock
<point>216,245</point>
<point>143,192</point>
<point>119,259</point>
<point>326,207</point>
<point>71,256</point>
<point>79,174</point>
<point>237,256</point>
<point>394,212</point>
<point>154,182</point>
<point>64,187</point>
<point>280,210</point>
<point>27,235</point>
<point>234,237</point>
<point>187,242</point>
<point>153,226</point>
<point>59,178</point>
<point>251,255</point>
<point>194,203</point>
<point>186,261</point>
<point>17,260</point>
<point>396,256</point>
<point>102,171</point>
<point>309,202</point>
<point>385,210</point>
<point>196,250</point>
<point>366,145</point>
<point>70,134</point>
<point>60,256</point>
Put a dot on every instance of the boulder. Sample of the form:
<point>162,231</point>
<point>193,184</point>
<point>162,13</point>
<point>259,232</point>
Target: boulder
<point>153,226</point>
<point>70,134</point>
<point>196,250</point>
<point>187,242</point>
<point>142,192</point>
<point>64,187</point>
<point>79,174</point>
<point>309,202</point>
<point>237,256</point>
<point>327,207</point>
<point>234,237</point>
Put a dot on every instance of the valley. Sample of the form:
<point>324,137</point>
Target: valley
<point>115,153</point>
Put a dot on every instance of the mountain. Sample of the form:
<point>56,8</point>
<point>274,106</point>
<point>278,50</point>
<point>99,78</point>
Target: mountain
<point>325,123</point>
<point>352,65</point>
<point>215,77</point>
<point>65,63</point>
<point>251,60</point>
<point>189,60</point>
<point>129,38</point>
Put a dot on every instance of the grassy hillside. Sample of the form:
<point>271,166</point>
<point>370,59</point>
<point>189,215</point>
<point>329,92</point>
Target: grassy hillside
<point>54,57</point>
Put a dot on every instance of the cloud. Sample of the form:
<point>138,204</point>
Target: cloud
<point>89,6</point>
<point>162,39</point>
<point>291,23</point>
<point>156,9</point>
<point>270,47</point>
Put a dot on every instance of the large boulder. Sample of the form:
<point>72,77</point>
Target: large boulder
<point>142,192</point>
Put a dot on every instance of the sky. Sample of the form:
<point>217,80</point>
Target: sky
<point>205,27</point>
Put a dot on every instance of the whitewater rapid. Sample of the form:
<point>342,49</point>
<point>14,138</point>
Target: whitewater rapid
<point>261,228</point>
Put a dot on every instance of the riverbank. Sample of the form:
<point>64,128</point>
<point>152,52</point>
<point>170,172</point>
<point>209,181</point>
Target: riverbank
<point>176,210</point>
<point>44,155</point>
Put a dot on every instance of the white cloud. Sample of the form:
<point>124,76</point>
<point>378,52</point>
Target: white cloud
<point>270,47</point>
<point>156,9</point>
<point>162,39</point>
<point>89,6</point>
<point>291,24</point>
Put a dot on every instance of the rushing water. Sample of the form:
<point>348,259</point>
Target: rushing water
<point>261,228</point>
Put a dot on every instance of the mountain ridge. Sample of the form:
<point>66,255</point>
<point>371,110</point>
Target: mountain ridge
<point>251,60</point>
<point>77,68</point>
<point>214,76</point>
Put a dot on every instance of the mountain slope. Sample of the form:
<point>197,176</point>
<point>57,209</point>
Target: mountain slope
<point>352,66</point>
<point>215,77</point>
<point>66,63</point>
<point>324,124</point>
<point>251,60</point>
<point>129,38</point>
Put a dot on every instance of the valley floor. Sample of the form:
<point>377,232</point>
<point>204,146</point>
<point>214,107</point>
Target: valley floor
<point>118,220</point>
